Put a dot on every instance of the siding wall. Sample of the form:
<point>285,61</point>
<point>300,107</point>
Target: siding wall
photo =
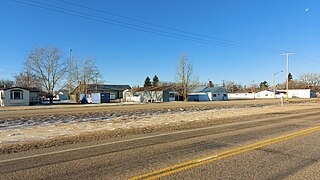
<point>207,96</point>
<point>7,101</point>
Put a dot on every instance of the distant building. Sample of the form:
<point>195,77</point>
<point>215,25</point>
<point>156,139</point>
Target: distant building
<point>61,96</point>
<point>150,94</point>
<point>204,93</point>
<point>114,91</point>
<point>241,95</point>
<point>292,93</point>
<point>296,93</point>
<point>265,94</point>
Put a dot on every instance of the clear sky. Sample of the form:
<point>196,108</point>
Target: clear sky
<point>131,50</point>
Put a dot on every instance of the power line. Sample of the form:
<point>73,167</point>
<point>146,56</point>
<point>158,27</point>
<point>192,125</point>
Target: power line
<point>165,27</point>
<point>136,27</point>
<point>303,59</point>
<point>177,34</point>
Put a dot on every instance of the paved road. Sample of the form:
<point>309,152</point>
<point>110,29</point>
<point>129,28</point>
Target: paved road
<point>286,147</point>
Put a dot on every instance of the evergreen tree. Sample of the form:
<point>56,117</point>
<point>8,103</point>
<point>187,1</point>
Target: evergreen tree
<point>147,82</point>
<point>155,81</point>
<point>264,85</point>
<point>290,77</point>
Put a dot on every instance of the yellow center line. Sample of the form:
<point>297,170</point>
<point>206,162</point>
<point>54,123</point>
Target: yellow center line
<point>214,157</point>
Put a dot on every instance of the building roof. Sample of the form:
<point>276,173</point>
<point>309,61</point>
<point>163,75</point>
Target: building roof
<point>280,90</point>
<point>7,88</point>
<point>104,87</point>
<point>108,87</point>
<point>159,88</point>
<point>208,89</point>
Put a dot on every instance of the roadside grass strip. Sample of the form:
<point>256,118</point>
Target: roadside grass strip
<point>214,157</point>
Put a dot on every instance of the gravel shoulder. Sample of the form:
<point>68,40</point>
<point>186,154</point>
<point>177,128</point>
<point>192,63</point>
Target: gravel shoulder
<point>26,128</point>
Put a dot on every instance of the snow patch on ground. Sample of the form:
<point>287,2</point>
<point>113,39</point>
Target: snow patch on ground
<point>22,130</point>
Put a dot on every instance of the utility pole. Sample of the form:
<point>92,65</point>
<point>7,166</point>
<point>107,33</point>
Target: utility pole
<point>253,89</point>
<point>287,72</point>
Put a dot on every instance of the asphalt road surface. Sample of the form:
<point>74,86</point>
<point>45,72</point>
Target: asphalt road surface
<point>286,147</point>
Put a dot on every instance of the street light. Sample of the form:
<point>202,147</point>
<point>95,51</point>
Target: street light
<point>273,85</point>
<point>287,72</point>
<point>97,74</point>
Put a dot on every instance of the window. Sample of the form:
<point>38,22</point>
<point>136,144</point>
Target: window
<point>214,95</point>
<point>225,95</point>
<point>16,95</point>
<point>171,95</point>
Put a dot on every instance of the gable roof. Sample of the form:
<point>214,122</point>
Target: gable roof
<point>103,87</point>
<point>108,87</point>
<point>159,88</point>
<point>4,88</point>
<point>208,89</point>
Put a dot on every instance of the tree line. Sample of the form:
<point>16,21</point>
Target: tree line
<point>46,69</point>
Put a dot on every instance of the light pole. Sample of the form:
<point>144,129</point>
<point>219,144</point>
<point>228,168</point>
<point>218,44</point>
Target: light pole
<point>287,71</point>
<point>96,81</point>
<point>253,89</point>
<point>273,84</point>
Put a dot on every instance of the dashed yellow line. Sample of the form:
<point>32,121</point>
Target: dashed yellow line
<point>214,157</point>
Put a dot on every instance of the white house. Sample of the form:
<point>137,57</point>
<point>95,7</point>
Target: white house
<point>150,94</point>
<point>265,94</point>
<point>14,96</point>
<point>204,93</point>
<point>241,95</point>
<point>292,93</point>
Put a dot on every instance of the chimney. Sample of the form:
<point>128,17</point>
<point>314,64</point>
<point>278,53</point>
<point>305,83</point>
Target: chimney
<point>210,84</point>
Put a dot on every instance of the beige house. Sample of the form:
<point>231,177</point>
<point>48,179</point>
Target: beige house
<point>14,96</point>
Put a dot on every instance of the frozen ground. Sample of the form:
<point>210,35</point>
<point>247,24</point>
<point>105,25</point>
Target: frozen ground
<point>33,128</point>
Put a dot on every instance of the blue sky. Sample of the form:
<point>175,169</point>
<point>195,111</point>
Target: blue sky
<point>127,56</point>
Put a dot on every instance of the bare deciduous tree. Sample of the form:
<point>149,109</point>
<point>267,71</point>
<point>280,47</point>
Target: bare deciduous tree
<point>231,86</point>
<point>82,74</point>
<point>28,80</point>
<point>47,64</point>
<point>184,77</point>
<point>310,79</point>
<point>6,83</point>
